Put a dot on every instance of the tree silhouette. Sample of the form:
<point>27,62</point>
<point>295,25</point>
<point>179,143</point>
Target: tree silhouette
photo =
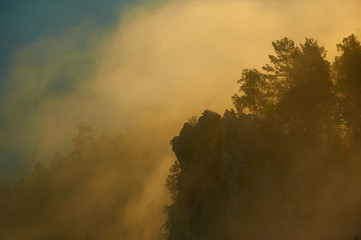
<point>309,98</point>
<point>296,85</point>
<point>348,81</point>
<point>255,93</point>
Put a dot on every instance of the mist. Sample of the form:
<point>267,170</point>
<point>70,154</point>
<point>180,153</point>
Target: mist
<point>143,79</point>
<point>181,56</point>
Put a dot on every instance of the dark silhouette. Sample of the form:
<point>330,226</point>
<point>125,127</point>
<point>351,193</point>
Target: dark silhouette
<point>279,167</point>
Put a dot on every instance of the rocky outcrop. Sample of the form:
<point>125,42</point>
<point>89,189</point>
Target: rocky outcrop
<point>238,174</point>
<point>215,155</point>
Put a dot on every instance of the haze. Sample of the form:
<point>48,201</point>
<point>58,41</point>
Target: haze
<point>143,77</point>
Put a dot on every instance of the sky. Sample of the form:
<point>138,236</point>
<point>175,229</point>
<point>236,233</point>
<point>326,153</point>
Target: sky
<point>115,64</point>
<point>23,22</point>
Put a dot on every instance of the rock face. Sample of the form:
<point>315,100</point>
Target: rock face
<point>215,156</point>
<point>240,179</point>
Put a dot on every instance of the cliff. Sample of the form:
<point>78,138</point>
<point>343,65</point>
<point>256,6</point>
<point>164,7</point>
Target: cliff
<point>244,177</point>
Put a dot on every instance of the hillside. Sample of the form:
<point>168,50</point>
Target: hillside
<point>240,178</point>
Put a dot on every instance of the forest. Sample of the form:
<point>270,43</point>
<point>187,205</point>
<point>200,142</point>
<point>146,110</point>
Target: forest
<point>88,194</point>
<point>284,164</point>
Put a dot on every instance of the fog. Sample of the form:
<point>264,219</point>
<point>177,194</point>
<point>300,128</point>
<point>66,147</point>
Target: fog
<point>145,77</point>
<point>180,56</point>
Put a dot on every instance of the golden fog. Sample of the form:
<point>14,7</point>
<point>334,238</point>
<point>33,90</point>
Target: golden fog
<point>145,77</point>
